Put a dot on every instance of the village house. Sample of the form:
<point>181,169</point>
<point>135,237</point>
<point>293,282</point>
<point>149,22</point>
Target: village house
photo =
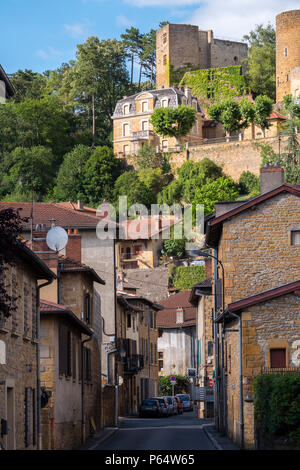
<point>20,350</point>
<point>70,369</point>
<point>132,126</point>
<point>257,242</point>
<point>177,342</point>
<point>137,350</point>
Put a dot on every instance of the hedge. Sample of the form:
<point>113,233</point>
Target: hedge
<point>277,404</point>
<point>186,276</point>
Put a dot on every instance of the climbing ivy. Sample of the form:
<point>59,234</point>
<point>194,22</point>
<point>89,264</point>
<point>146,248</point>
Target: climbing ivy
<point>216,84</point>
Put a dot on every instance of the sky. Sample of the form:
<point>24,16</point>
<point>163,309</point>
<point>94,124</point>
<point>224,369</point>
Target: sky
<point>42,34</point>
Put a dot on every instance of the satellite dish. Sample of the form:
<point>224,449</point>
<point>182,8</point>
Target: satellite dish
<point>57,239</point>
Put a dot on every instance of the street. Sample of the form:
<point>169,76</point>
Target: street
<point>183,432</point>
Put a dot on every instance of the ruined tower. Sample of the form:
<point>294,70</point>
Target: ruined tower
<point>287,53</point>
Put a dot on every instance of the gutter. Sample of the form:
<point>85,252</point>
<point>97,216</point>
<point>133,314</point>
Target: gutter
<point>83,420</point>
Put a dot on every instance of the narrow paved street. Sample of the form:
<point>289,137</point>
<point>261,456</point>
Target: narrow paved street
<point>183,432</point>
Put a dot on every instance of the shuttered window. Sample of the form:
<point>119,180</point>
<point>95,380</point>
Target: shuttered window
<point>65,366</point>
<point>88,365</point>
<point>87,308</point>
<point>277,358</point>
<point>218,293</point>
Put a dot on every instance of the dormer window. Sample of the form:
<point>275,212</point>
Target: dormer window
<point>164,102</point>
<point>126,108</point>
<point>144,106</point>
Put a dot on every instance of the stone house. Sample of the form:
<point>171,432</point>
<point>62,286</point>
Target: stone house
<point>137,350</point>
<point>70,370</point>
<point>177,342</point>
<point>131,119</point>
<point>257,242</point>
<point>19,352</point>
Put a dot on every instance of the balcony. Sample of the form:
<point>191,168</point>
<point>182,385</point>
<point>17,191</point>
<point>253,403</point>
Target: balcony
<point>142,135</point>
<point>132,364</point>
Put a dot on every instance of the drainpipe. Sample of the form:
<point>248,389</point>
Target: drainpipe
<point>38,333</point>
<point>241,378</point>
<point>216,340</point>
<point>83,420</point>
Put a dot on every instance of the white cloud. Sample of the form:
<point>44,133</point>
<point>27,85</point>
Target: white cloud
<point>48,54</point>
<point>122,20</point>
<point>234,18</point>
<point>162,3</point>
<point>78,30</point>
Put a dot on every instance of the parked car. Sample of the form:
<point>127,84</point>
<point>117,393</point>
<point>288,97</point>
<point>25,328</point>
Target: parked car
<point>164,404</point>
<point>186,401</point>
<point>179,405</point>
<point>173,408</point>
<point>150,407</point>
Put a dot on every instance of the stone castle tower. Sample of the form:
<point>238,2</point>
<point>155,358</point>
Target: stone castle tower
<point>287,54</point>
<point>178,44</point>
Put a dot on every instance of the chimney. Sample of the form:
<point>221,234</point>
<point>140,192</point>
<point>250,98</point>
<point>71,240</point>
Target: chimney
<point>73,248</point>
<point>120,280</point>
<point>40,247</point>
<point>188,94</point>
<point>208,267</point>
<point>271,177</point>
<point>80,205</point>
<point>179,315</point>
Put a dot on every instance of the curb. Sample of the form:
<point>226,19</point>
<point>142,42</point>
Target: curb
<point>212,439</point>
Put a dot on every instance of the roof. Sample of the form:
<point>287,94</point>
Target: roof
<point>175,96</point>
<point>144,228</point>
<point>51,308</point>
<point>201,288</point>
<point>167,316</point>
<point>70,265</point>
<point>214,224</point>
<point>37,264</point>
<point>132,299</point>
<point>276,115</point>
<point>43,212</point>
<point>9,89</point>
<point>265,296</point>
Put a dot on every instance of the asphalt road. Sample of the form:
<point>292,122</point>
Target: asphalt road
<point>183,432</point>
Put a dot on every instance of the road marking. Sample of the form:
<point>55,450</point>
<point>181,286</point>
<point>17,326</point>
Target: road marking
<point>161,427</point>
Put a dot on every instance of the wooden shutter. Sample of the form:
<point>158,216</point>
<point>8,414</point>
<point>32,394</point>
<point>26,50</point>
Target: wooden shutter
<point>62,350</point>
<point>278,358</point>
<point>218,294</point>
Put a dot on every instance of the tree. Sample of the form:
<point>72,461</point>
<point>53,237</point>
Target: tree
<point>182,384</point>
<point>263,109</point>
<point>228,113</point>
<point>28,170</point>
<point>10,228</point>
<point>261,65</point>
<point>173,122</point>
<point>71,175</point>
<point>170,194</point>
<point>249,183</point>
<point>28,85</point>
<point>132,40</point>
<point>100,173</point>
<point>154,180</point>
<point>128,184</point>
<point>148,158</point>
<point>148,55</point>
<point>222,189</point>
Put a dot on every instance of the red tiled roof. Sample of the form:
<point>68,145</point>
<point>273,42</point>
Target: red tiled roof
<point>69,265</point>
<point>46,306</point>
<point>43,212</point>
<point>276,115</point>
<point>51,308</point>
<point>167,316</point>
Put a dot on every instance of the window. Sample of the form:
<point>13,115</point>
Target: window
<point>155,354</point>
<point>128,320</point>
<point>126,129</point>
<point>154,320</point>
<point>277,358</point>
<point>295,237</point>
<point>126,109</point>
<point>133,323</point>
<point>88,365</point>
<point>285,52</point>
<point>64,351</point>
<point>210,348</point>
<point>144,125</point>
<point>87,309</point>
<point>126,149</point>
<point>26,308</point>
<point>165,38</point>
<point>160,360</point>
<point>165,60</point>
<point>164,102</point>
<point>151,319</point>
<point>287,77</point>
<point>144,106</point>
<point>151,353</point>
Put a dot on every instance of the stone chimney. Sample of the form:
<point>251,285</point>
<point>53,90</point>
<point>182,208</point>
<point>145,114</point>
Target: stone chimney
<point>73,248</point>
<point>40,247</point>
<point>271,177</point>
<point>80,205</point>
<point>188,94</point>
<point>179,315</point>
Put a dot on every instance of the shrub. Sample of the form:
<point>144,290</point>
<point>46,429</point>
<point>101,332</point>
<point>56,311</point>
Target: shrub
<point>186,276</point>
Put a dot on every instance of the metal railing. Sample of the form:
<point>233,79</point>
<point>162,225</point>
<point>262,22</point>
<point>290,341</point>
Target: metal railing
<point>279,370</point>
<point>141,135</point>
<point>133,363</point>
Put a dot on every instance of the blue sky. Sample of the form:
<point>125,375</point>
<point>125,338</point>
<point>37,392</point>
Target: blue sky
<point>41,34</point>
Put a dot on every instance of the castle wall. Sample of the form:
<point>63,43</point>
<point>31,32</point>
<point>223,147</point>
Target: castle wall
<point>287,50</point>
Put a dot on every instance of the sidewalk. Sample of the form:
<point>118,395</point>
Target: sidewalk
<point>219,441</point>
<point>94,441</point>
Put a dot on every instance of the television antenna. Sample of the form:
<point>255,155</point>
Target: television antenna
<point>57,238</point>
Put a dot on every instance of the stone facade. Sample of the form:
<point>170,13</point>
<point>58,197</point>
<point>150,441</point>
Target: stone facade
<point>180,44</point>
<point>287,51</point>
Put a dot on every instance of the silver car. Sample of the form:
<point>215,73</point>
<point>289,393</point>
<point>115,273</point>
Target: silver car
<point>164,405</point>
<point>173,408</point>
<point>186,401</point>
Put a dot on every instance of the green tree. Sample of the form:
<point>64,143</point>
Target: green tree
<point>100,173</point>
<point>154,180</point>
<point>27,170</point>
<point>71,175</point>
<point>148,158</point>
<point>129,184</point>
<point>132,41</point>
<point>261,73</point>
<point>186,276</point>
<point>148,55</point>
<point>263,109</point>
<point>228,113</point>
<point>28,85</point>
<point>249,183</point>
<point>173,122</point>
<point>222,189</point>
<point>170,194</point>
<point>182,385</point>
